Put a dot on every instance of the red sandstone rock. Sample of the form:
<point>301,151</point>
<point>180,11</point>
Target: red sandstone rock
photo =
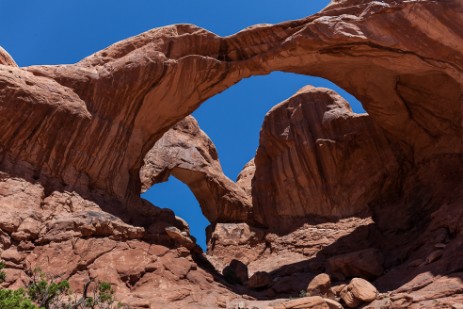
<point>244,179</point>
<point>74,138</point>
<point>236,272</point>
<point>259,280</point>
<point>313,151</point>
<point>229,241</point>
<point>319,285</point>
<point>78,93</point>
<point>6,59</point>
<point>74,238</point>
<point>312,302</point>
<point>187,153</point>
<point>366,263</point>
<point>357,292</point>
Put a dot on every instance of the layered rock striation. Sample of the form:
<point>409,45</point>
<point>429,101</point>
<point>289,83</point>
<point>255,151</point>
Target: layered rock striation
<point>316,158</point>
<point>124,93</point>
<point>344,188</point>
<point>188,154</point>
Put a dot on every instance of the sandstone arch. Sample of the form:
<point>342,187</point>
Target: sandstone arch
<point>124,100</point>
<point>74,137</point>
<point>188,154</point>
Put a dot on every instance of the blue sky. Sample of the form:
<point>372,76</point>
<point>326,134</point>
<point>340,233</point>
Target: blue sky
<point>65,31</point>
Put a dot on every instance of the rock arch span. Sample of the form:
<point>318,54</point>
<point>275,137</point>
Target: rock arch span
<point>126,96</point>
<point>74,137</point>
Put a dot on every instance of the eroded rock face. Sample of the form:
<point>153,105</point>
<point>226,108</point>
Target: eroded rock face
<point>70,237</point>
<point>187,153</point>
<point>130,82</point>
<point>82,131</point>
<point>317,158</point>
<point>244,179</point>
<point>6,59</point>
<point>366,263</point>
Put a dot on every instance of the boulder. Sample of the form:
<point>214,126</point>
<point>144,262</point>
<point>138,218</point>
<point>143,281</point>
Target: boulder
<point>358,291</point>
<point>319,285</point>
<point>366,263</point>
<point>259,280</point>
<point>311,302</point>
<point>236,272</point>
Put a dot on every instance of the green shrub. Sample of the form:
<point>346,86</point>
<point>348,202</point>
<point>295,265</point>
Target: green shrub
<point>102,297</point>
<point>15,300</point>
<point>47,293</point>
<point>2,273</point>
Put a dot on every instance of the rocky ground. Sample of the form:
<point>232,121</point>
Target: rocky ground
<point>335,210</point>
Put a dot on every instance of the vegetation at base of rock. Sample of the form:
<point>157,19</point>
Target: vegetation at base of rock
<point>2,273</point>
<point>103,298</point>
<point>47,293</point>
<point>303,293</point>
<point>15,300</point>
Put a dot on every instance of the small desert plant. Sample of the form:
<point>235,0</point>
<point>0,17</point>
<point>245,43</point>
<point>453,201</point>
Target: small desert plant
<point>49,293</point>
<point>15,300</point>
<point>102,297</point>
<point>2,273</point>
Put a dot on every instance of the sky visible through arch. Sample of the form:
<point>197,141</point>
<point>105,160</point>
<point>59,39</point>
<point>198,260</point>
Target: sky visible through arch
<point>61,32</point>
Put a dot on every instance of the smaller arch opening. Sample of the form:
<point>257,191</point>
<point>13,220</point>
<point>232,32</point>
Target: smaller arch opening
<point>176,195</point>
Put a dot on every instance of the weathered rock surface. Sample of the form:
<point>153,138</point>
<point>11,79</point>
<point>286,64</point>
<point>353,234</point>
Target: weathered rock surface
<point>187,153</point>
<point>312,302</point>
<point>244,179</point>
<point>74,138</point>
<point>236,272</point>
<point>350,48</point>
<point>6,59</point>
<point>367,263</point>
<point>259,280</point>
<point>319,285</point>
<point>228,241</point>
<point>71,237</point>
<point>358,291</point>
<point>317,158</point>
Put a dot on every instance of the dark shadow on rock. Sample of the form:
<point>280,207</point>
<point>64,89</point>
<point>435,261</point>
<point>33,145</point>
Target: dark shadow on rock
<point>411,259</point>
